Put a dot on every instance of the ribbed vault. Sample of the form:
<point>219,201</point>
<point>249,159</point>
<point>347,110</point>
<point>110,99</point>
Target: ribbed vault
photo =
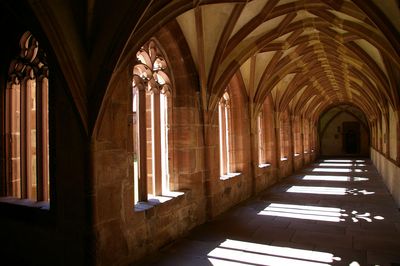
<point>308,55</point>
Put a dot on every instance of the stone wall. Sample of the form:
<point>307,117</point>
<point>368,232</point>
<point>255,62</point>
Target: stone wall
<point>124,231</point>
<point>390,173</point>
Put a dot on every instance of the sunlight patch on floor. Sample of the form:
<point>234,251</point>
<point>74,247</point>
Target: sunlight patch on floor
<point>341,191</point>
<point>234,252</point>
<point>337,161</point>
<point>318,190</point>
<point>332,170</point>
<point>304,212</point>
<point>336,164</point>
<point>317,213</point>
<point>342,161</point>
<point>334,178</point>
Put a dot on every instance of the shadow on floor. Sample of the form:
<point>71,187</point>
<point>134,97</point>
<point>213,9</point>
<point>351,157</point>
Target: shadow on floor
<point>334,212</point>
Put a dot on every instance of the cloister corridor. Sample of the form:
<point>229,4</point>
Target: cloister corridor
<point>199,132</point>
<point>333,212</point>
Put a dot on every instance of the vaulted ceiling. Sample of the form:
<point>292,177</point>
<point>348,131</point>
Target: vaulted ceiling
<point>308,55</point>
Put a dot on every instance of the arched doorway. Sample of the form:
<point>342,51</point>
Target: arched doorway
<point>343,131</point>
<point>351,137</point>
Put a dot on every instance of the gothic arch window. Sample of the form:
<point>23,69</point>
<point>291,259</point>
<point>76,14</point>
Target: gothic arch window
<point>151,103</point>
<point>296,122</point>
<point>265,132</point>
<point>26,116</point>
<point>224,119</point>
<point>261,130</point>
<point>306,136</point>
<point>284,135</point>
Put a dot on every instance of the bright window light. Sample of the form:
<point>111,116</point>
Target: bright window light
<point>233,252</point>
<point>334,170</point>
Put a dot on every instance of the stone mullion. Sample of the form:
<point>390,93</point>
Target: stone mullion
<point>25,123</point>
<point>28,135</point>
<point>42,139</point>
<point>156,142</point>
<point>142,173</point>
<point>40,187</point>
<point>45,138</point>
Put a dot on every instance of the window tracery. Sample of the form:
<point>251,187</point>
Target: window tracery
<point>150,107</point>
<point>27,143</point>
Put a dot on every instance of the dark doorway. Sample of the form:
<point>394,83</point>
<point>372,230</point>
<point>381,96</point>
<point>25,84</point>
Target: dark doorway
<point>351,137</point>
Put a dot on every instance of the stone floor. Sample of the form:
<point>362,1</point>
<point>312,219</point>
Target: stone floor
<point>335,212</point>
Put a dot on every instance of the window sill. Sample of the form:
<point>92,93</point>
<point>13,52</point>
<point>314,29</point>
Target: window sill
<point>28,211</point>
<point>264,165</point>
<point>42,205</point>
<point>229,176</point>
<point>284,159</point>
<point>296,154</point>
<point>157,200</point>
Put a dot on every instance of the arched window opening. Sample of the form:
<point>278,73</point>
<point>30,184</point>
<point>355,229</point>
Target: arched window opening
<point>306,137</point>
<point>224,134</point>
<point>284,136</point>
<point>261,139</point>
<point>266,134</point>
<point>297,136</point>
<point>27,142</point>
<point>150,104</point>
